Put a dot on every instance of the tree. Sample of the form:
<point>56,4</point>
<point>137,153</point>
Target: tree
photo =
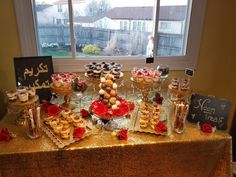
<point>97,7</point>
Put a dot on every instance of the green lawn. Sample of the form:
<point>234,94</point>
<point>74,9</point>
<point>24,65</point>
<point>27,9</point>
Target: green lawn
<point>63,53</point>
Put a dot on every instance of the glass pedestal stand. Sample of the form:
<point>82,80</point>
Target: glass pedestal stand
<point>18,107</point>
<point>92,83</point>
<point>63,91</point>
<point>144,88</point>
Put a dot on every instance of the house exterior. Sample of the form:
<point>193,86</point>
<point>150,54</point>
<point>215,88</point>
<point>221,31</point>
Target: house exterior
<point>56,13</point>
<point>137,19</point>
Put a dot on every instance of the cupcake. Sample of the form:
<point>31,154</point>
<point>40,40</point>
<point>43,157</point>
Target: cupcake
<point>32,92</point>
<point>21,89</point>
<point>23,96</point>
<point>12,95</point>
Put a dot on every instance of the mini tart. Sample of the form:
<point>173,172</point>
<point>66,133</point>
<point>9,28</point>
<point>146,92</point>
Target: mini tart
<point>156,117</point>
<point>77,119</point>
<point>82,123</point>
<point>143,125</point>
<point>142,121</point>
<point>145,112</point>
<point>64,121</point>
<point>153,126</point>
<point>57,129</point>
<point>65,133</point>
<point>65,113</point>
<point>53,123</point>
<point>153,122</point>
<point>144,117</point>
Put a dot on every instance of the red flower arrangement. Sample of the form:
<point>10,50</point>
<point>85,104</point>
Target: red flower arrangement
<point>100,109</point>
<point>161,127</point>
<point>159,99</point>
<point>131,105</point>
<point>5,135</point>
<point>79,86</point>
<point>207,128</point>
<point>78,132</point>
<point>54,110</point>
<point>84,113</point>
<point>122,134</point>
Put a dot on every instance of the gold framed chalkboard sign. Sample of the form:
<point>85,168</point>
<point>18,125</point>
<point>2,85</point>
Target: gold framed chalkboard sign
<point>35,72</point>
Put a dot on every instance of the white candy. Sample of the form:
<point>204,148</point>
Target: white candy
<point>117,102</point>
<point>101,92</point>
<point>103,80</point>
<point>114,86</point>
<point>114,106</point>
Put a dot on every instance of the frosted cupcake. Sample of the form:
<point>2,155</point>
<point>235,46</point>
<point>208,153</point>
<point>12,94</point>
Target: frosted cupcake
<point>12,95</point>
<point>23,96</point>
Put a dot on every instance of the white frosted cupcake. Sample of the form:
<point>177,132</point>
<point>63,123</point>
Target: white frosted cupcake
<point>32,92</point>
<point>12,95</point>
<point>23,96</point>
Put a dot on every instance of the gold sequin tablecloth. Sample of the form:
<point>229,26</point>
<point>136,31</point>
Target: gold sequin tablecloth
<point>192,154</point>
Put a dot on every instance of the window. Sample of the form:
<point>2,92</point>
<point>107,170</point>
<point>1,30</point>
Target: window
<point>58,21</point>
<point>123,25</point>
<point>116,33</point>
<point>59,8</point>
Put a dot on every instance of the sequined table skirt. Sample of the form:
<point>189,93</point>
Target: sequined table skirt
<point>192,154</point>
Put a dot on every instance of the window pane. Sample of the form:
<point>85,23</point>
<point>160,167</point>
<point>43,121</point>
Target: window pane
<point>112,27</point>
<point>52,19</point>
<point>172,28</point>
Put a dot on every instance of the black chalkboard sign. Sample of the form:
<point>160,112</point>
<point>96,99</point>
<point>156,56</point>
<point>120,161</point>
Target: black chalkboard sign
<point>149,60</point>
<point>209,109</point>
<point>35,72</point>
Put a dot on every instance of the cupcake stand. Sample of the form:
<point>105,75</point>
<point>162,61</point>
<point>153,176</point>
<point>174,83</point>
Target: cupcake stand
<point>17,106</point>
<point>63,91</point>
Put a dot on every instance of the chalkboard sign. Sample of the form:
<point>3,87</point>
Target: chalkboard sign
<point>35,72</point>
<point>189,72</point>
<point>209,109</point>
<point>149,60</point>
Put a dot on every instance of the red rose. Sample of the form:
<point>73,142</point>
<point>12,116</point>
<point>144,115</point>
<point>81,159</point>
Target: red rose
<point>80,84</point>
<point>53,110</point>
<point>159,100</point>
<point>84,113</point>
<point>5,135</point>
<point>161,127</point>
<point>123,135</point>
<point>131,106</point>
<point>207,128</point>
<point>78,132</point>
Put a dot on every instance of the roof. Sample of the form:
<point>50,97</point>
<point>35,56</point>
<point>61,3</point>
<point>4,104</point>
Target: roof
<point>87,19</point>
<point>141,13</point>
<point>167,13</point>
<point>41,7</point>
<point>175,13</point>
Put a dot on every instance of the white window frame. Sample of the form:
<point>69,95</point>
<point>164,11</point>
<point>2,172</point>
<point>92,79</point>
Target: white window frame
<point>28,41</point>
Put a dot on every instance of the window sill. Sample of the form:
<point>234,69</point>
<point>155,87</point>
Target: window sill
<point>77,65</point>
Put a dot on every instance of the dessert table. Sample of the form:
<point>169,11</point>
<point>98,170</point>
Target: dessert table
<point>192,153</point>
